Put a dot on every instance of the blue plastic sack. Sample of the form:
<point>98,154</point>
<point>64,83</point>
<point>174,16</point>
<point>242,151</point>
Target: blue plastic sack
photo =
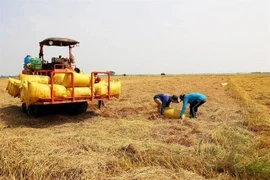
<point>26,60</point>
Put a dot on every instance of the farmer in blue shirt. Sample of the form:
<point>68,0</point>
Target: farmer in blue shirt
<point>195,100</point>
<point>164,100</point>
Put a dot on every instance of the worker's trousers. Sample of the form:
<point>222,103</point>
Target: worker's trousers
<point>194,108</point>
<point>159,104</point>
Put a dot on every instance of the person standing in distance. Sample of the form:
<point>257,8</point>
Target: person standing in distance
<point>195,100</point>
<point>97,80</point>
<point>163,101</point>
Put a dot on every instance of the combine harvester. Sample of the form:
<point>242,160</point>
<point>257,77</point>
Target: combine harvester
<point>44,87</point>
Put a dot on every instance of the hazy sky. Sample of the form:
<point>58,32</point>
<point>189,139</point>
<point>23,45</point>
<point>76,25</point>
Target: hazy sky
<point>140,36</point>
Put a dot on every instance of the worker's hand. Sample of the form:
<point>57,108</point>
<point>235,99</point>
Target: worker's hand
<point>182,116</point>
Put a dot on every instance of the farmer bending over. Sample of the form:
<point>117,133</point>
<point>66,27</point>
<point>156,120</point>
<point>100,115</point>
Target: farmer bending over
<point>195,100</point>
<point>164,100</point>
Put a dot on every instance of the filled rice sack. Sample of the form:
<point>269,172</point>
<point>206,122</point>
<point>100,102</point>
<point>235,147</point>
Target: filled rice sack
<point>34,78</point>
<point>171,113</point>
<point>101,88</point>
<point>79,91</point>
<point>80,80</point>
<point>36,91</point>
<point>59,90</point>
<point>24,91</point>
<point>13,87</point>
<point>58,78</point>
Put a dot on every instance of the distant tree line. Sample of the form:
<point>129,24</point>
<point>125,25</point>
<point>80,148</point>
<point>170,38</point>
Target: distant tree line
<point>259,72</point>
<point>7,76</point>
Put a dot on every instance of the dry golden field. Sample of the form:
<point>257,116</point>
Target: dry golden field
<point>124,140</point>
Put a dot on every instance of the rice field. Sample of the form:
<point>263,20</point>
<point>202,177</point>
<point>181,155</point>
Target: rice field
<point>126,140</point>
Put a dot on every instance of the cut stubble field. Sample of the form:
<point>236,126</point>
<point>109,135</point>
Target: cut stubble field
<point>125,140</point>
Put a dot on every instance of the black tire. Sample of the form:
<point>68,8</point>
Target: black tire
<point>76,108</point>
<point>24,108</point>
<point>33,111</point>
<point>83,107</point>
